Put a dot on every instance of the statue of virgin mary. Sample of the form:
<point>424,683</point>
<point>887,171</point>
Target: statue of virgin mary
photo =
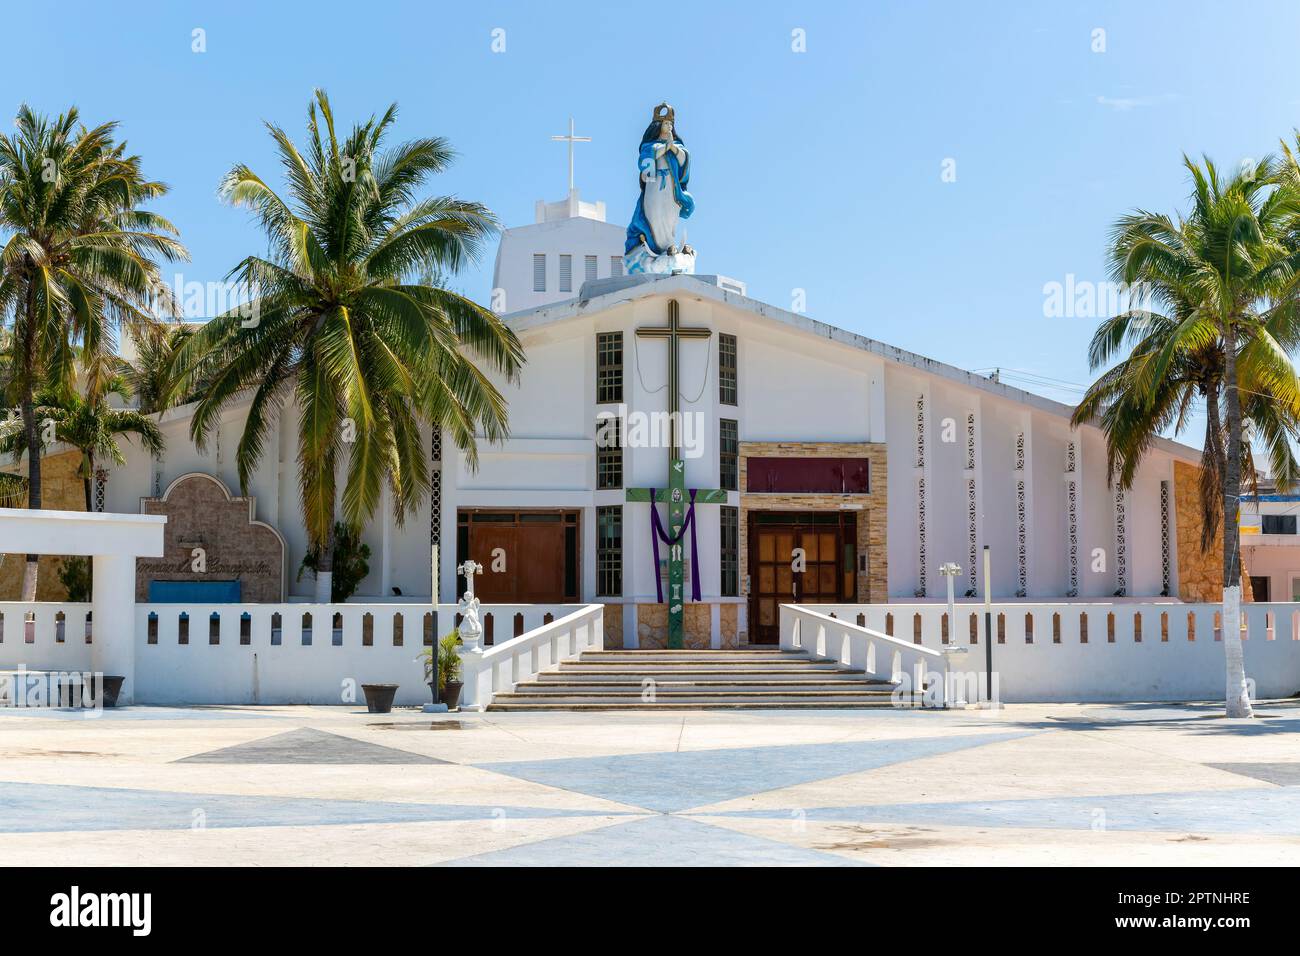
<point>664,171</point>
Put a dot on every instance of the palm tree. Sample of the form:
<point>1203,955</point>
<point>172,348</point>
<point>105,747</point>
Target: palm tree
<point>91,426</point>
<point>153,375</point>
<point>340,321</point>
<point>1225,276</point>
<point>1171,362</point>
<point>79,261</point>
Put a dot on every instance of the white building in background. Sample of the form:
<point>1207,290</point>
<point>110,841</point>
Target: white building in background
<point>1270,545</point>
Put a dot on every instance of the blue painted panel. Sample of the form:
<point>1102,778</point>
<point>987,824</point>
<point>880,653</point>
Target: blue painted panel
<point>194,592</point>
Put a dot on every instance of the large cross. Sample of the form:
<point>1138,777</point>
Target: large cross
<point>675,494</point>
<point>571,139</point>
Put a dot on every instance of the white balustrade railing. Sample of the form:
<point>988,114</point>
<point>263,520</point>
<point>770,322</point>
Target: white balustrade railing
<point>914,668</point>
<point>256,653</point>
<point>45,635</point>
<point>496,670</point>
<point>1102,651</point>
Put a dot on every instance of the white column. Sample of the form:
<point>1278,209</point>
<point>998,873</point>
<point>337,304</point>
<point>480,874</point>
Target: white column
<point>113,605</point>
<point>386,543</point>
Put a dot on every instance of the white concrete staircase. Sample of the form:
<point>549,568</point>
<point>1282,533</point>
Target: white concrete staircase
<point>695,680</point>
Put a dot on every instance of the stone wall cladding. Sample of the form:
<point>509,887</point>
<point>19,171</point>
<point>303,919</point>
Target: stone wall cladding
<point>1200,573</point>
<point>200,512</point>
<point>613,627</point>
<point>871,509</point>
<point>61,490</point>
<point>652,626</point>
<point>728,625</point>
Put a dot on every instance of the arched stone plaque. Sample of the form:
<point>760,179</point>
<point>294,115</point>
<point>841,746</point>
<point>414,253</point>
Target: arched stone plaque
<point>213,540</point>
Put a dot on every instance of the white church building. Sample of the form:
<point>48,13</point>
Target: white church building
<point>832,468</point>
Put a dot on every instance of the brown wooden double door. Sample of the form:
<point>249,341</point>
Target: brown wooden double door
<point>798,558</point>
<point>528,557</point>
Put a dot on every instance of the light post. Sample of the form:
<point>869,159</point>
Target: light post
<point>952,691</point>
<point>988,632</point>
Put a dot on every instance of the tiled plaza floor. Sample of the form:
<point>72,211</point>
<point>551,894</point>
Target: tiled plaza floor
<point>1044,784</point>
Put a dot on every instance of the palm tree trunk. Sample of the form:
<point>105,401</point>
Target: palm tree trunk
<point>88,479</point>
<point>1211,484</point>
<point>325,569</point>
<point>1238,693</point>
<point>33,486</point>
<point>30,571</point>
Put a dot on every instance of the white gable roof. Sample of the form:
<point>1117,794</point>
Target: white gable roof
<point>604,294</point>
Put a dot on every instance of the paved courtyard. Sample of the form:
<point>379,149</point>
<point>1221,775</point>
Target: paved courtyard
<point>1033,784</point>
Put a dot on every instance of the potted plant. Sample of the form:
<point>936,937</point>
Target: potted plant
<point>449,684</point>
<point>351,563</point>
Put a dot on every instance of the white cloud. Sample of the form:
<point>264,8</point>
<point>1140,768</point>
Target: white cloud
<point>1122,104</point>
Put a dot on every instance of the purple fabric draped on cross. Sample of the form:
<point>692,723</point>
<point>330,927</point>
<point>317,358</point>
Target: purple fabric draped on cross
<point>658,533</point>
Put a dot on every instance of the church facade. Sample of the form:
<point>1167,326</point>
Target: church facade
<point>693,458</point>
<point>838,469</point>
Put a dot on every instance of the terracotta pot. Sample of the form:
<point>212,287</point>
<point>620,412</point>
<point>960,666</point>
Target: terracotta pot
<point>379,697</point>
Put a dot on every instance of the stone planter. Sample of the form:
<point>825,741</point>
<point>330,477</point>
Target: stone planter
<point>451,694</point>
<point>379,697</point>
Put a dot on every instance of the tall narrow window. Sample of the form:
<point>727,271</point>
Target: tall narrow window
<point>609,550</point>
<point>615,266</point>
<point>609,452</point>
<point>730,524</point>
<point>609,367</point>
<point>727,369</point>
<point>566,273</point>
<point>539,273</point>
<point>728,454</point>
<point>589,265</point>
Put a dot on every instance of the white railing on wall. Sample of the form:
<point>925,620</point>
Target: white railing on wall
<point>496,670</point>
<point>258,653</point>
<point>1081,652</point>
<point>45,635</point>
<point>914,667</point>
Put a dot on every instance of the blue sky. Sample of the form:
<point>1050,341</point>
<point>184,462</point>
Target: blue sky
<point>818,170</point>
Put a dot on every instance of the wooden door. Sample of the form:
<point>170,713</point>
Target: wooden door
<point>528,557</point>
<point>796,559</point>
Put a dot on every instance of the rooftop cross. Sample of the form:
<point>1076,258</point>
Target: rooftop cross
<point>571,139</point>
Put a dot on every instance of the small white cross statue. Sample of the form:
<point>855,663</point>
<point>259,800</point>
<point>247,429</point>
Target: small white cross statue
<point>470,628</point>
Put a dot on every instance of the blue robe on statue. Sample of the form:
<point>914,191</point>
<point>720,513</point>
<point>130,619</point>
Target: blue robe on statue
<point>680,174</point>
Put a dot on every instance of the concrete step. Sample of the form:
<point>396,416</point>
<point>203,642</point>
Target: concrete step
<point>705,691</point>
<point>745,657</point>
<point>764,678</point>
<point>754,686</point>
<point>707,704</point>
<point>697,675</point>
<point>693,663</point>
